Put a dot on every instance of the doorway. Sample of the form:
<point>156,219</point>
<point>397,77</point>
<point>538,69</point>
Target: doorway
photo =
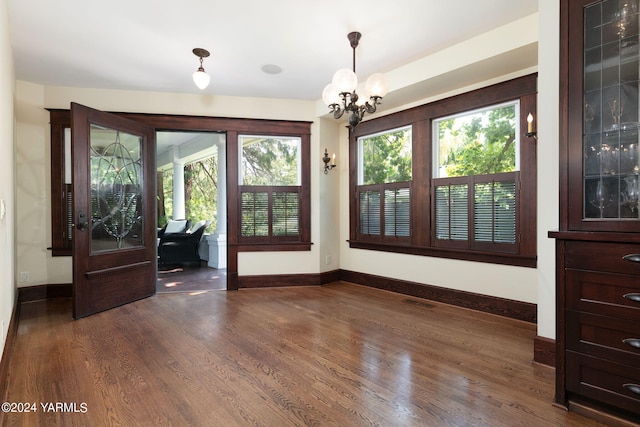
<point>191,211</point>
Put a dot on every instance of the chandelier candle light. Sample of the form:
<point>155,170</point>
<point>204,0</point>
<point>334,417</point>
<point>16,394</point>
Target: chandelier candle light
<point>340,95</point>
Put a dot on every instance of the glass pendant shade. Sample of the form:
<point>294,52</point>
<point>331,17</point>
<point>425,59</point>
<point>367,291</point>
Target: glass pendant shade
<point>376,85</point>
<point>363,96</point>
<point>201,79</point>
<point>330,95</point>
<point>345,80</point>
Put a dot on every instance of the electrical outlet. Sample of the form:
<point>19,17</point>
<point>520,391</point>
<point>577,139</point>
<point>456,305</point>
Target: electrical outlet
<point>327,260</point>
<point>24,276</point>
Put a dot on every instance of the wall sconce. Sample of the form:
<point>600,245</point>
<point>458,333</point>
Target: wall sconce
<point>326,159</point>
<point>530,133</point>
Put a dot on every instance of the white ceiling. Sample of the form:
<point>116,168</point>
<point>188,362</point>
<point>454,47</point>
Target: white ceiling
<point>146,44</point>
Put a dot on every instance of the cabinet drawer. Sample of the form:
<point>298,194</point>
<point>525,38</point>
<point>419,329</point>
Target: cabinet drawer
<point>616,295</point>
<point>600,256</point>
<point>606,337</point>
<point>612,383</point>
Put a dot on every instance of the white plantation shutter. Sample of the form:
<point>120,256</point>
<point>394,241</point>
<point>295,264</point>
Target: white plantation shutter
<point>369,212</point>
<point>495,212</point>
<point>266,212</point>
<point>286,213</point>
<point>254,214</point>
<point>480,210</point>
<point>397,212</point>
<point>452,212</point>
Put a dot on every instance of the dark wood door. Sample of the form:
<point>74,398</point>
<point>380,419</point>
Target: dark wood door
<point>114,254</point>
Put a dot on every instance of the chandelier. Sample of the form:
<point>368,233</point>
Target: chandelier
<point>340,95</point>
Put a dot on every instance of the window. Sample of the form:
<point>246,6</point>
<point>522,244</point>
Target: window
<point>476,162</point>
<point>384,186</point>
<point>455,178</point>
<point>61,184</point>
<point>270,188</point>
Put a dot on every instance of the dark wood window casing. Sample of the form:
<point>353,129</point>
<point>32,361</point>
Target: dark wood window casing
<point>61,191</point>
<point>491,236</point>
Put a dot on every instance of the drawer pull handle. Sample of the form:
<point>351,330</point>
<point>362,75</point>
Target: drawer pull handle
<point>633,342</point>
<point>632,257</point>
<point>634,388</point>
<point>634,296</point>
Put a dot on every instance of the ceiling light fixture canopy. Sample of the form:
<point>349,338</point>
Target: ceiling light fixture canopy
<point>200,77</point>
<point>340,95</point>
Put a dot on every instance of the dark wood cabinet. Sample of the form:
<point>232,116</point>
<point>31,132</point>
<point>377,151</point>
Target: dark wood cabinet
<point>598,242</point>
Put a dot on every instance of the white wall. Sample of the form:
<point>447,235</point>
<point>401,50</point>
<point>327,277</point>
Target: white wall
<point>548,152</point>
<point>503,53</point>
<point>7,225</point>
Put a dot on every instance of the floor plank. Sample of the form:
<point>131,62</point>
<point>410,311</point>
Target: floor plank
<point>336,355</point>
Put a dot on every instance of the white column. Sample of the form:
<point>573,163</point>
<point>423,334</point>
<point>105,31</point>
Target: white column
<point>221,227</point>
<point>218,240</point>
<point>178,189</point>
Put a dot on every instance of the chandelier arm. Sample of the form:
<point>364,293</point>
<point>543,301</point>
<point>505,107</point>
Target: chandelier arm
<point>361,110</point>
<point>337,111</point>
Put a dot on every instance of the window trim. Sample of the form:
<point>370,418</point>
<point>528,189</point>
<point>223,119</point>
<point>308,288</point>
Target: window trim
<point>60,191</point>
<point>273,243</point>
<point>420,118</point>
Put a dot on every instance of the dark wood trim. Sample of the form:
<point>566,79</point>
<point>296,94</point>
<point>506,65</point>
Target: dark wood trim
<point>591,236</point>
<point>42,292</point>
<point>544,351</point>
<point>485,303</point>
<point>12,332</point>
<point>277,280</point>
<point>60,244</point>
<point>560,396</point>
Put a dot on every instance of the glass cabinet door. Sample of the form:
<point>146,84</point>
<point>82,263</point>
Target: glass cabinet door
<point>611,158</point>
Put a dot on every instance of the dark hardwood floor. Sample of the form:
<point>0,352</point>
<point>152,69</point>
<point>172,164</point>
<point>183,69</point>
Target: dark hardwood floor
<point>336,355</point>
